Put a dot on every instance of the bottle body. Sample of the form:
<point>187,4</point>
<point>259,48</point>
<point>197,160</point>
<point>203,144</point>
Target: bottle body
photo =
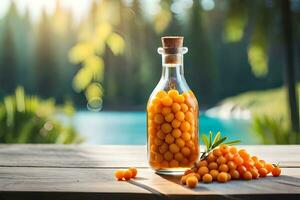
<point>172,121</point>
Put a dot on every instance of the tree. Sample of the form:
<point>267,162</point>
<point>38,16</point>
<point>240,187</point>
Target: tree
<point>45,67</point>
<point>201,70</point>
<point>8,65</point>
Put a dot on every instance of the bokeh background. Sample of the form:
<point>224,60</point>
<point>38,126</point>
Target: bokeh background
<point>82,71</point>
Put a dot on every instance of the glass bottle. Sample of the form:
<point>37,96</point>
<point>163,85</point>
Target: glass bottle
<point>172,115</point>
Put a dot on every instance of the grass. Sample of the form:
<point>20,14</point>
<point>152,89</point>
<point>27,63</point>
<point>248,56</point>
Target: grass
<point>270,114</point>
<point>29,119</point>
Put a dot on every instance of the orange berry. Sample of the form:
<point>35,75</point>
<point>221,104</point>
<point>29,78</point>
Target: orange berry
<point>158,158</point>
<point>248,163</point>
<point>223,168</point>
<point>158,142</point>
<point>234,174</point>
<point>238,160</point>
<point>241,169</point>
<point>262,162</point>
<point>229,176</point>
<point>276,171</point>
<point>166,110</point>
<point>166,128</point>
<point>197,176</point>
<point>231,165</point>
<point>189,117</point>
<point>255,159</point>
<point>156,101</point>
<point>211,157</point>
<point>161,94</point>
<point>174,148</point>
<point>163,148</point>
<point>221,160</point>
<point>222,177</point>
<point>243,153</point>
<point>174,163</point>
<point>247,175</point>
<point>178,156</point>
<point>158,108</point>
<point>213,165</point>
<point>133,172</point>
<point>167,101</point>
<point>161,135</point>
<point>169,139</point>
<point>176,123</point>
<point>233,150</point>
<point>184,107</point>
<point>158,118</point>
<point>176,133</point>
<point>119,174</point>
<point>202,163</point>
<point>214,173</point>
<point>203,170</point>
<point>262,172</point>
<point>224,148</point>
<point>168,156</point>
<point>179,99</point>
<point>258,165</point>
<point>186,151</point>
<point>180,142</point>
<point>183,180</point>
<point>254,173</point>
<point>229,156</point>
<point>269,167</point>
<point>186,136</point>
<point>173,93</point>
<point>169,117</point>
<point>179,116</point>
<point>217,152</point>
<point>176,107</point>
<point>207,178</point>
<point>185,126</point>
<point>127,175</point>
<point>191,181</point>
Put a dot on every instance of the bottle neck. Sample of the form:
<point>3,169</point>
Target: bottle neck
<point>172,66</point>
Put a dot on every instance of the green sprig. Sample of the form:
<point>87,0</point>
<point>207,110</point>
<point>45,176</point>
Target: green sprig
<point>212,142</point>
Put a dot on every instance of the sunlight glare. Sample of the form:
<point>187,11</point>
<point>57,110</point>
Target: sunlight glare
<point>35,7</point>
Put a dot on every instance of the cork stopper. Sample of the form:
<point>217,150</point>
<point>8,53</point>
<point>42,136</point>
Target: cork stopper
<point>172,42</point>
<point>172,46</point>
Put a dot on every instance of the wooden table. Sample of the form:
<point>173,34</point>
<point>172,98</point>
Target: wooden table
<point>87,172</point>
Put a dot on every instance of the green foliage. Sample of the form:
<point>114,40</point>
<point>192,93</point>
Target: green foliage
<point>270,116</point>
<point>272,131</point>
<point>28,119</point>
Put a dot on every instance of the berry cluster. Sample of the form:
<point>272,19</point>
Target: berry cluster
<point>126,174</point>
<point>172,120</point>
<point>225,163</point>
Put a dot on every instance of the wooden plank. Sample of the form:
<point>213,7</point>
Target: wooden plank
<point>107,156</point>
<point>73,183</point>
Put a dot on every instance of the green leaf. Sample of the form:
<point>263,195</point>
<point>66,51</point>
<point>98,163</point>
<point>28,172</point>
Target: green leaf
<point>219,142</point>
<point>218,135</point>
<point>205,141</point>
<point>233,142</point>
<point>210,138</point>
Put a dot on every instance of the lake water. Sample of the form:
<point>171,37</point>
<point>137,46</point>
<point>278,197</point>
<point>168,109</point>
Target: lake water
<point>130,127</point>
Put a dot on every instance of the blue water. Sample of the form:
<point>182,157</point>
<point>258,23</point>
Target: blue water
<point>130,127</point>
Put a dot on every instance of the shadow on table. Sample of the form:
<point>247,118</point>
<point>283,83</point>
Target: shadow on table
<point>176,179</point>
<point>282,184</point>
